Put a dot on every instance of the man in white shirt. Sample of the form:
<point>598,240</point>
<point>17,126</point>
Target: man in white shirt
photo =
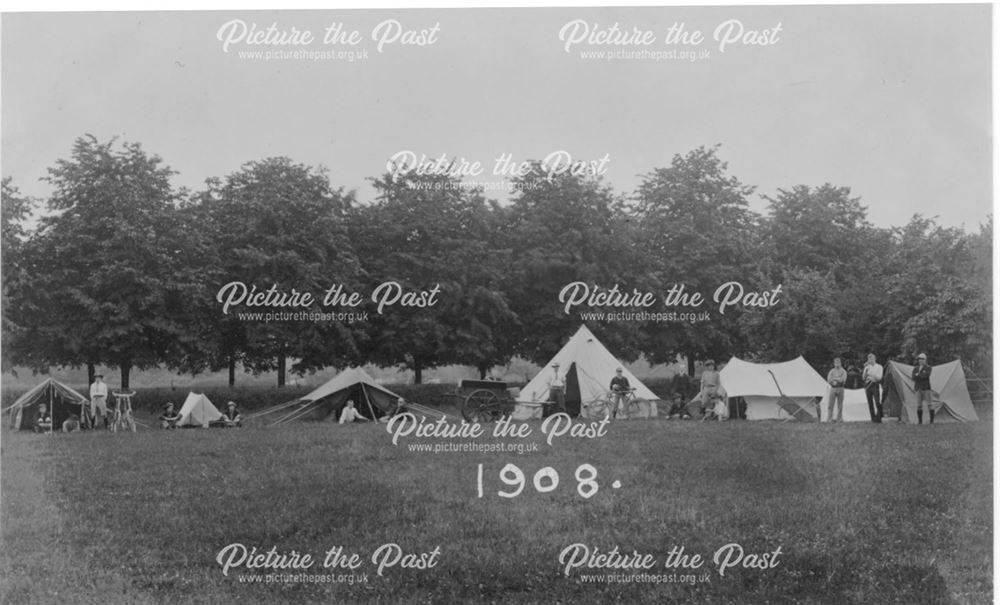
<point>557,389</point>
<point>350,413</point>
<point>99,400</point>
<point>872,375</point>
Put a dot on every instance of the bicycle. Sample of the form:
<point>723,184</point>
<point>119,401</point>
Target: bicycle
<point>123,418</point>
<point>613,407</point>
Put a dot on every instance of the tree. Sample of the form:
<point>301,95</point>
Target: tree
<point>102,279</point>
<point>428,234</point>
<point>280,224</point>
<point>937,300</point>
<point>562,229</point>
<point>697,230</point>
<point>14,209</point>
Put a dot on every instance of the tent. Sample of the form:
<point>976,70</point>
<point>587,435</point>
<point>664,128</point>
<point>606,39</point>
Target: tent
<point>589,368</point>
<point>855,406</point>
<point>326,401</point>
<point>758,384</point>
<point>197,411</point>
<point>950,401</point>
<point>61,400</point>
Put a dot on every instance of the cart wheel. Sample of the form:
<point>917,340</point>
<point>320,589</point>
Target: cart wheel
<point>482,406</point>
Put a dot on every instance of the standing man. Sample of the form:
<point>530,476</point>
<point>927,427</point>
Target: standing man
<point>836,378</point>
<point>619,388</point>
<point>557,389</point>
<point>872,376</point>
<point>99,400</point>
<point>922,384</point>
<point>709,387</point>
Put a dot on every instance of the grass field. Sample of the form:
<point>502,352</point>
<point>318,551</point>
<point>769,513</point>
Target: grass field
<point>862,513</point>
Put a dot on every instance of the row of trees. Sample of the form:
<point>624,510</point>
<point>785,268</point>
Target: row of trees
<point>124,268</point>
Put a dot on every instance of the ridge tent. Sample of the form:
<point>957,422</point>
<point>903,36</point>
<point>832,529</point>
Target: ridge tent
<point>758,384</point>
<point>61,400</point>
<point>326,401</point>
<point>589,368</point>
<point>950,400</point>
<point>197,411</point>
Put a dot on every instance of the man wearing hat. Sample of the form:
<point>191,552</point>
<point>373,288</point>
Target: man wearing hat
<point>99,400</point>
<point>169,417</point>
<point>922,385</point>
<point>232,415</point>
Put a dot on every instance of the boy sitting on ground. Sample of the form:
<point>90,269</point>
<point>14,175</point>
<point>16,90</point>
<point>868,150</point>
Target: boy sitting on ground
<point>169,417</point>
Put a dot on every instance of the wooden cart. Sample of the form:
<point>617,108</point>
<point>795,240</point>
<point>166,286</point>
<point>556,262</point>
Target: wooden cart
<point>484,400</point>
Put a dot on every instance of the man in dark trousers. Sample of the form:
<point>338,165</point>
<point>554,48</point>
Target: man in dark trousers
<point>872,376</point>
<point>922,384</point>
<point>620,389</point>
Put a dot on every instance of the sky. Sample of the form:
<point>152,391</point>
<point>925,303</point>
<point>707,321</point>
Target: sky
<point>893,101</point>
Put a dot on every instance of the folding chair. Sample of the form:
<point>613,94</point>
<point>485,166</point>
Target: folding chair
<point>794,409</point>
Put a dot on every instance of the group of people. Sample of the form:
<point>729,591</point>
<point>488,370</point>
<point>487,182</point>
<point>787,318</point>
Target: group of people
<point>231,417</point>
<point>350,413</point>
<point>871,378</point>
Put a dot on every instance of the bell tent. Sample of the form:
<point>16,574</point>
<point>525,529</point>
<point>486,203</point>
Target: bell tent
<point>61,400</point>
<point>197,411</point>
<point>587,368</point>
<point>950,400</point>
<point>774,391</point>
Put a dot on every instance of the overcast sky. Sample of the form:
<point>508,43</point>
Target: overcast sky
<point>892,101</point>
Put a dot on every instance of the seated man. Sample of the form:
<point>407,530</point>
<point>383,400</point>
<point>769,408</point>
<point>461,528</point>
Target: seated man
<point>231,417</point>
<point>71,424</point>
<point>43,419</point>
<point>169,417</point>
<point>619,389</point>
<point>350,413</point>
<point>398,408</point>
<point>678,409</point>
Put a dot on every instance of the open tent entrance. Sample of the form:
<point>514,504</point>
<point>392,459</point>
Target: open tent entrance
<point>61,401</point>
<point>573,398</point>
<point>370,403</point>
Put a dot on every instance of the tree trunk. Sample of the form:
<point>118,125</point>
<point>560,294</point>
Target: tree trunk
<point>91,372</point>
<point>482,371</point>
<point>126,367</point>
<point>282,360</point>
<point>232,371</point>
<point>418,373</point>
<point>690,359</point>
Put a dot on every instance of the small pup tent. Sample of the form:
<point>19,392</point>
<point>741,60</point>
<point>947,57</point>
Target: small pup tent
<point>326,402</point>
<point>774,391</point>
<point>587,367</point>
<point>197,411</point>
<point>61,400</point>
<point>950,400</point>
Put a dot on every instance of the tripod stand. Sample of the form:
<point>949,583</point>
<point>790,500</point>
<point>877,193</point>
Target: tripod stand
<point>123,418</point>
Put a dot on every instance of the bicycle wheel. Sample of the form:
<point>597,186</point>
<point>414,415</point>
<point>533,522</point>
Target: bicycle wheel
<point>598,410</point>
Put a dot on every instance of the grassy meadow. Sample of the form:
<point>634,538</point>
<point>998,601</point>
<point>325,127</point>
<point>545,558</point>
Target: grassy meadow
<point>862,513</point>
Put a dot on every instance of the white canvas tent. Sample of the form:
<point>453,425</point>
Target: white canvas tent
<point>197,411</point>
<point>758,384</point>
<point>371,399</point>
<point>588,368</point>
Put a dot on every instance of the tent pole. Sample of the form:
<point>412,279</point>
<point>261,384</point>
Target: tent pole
<point>371,410</point>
